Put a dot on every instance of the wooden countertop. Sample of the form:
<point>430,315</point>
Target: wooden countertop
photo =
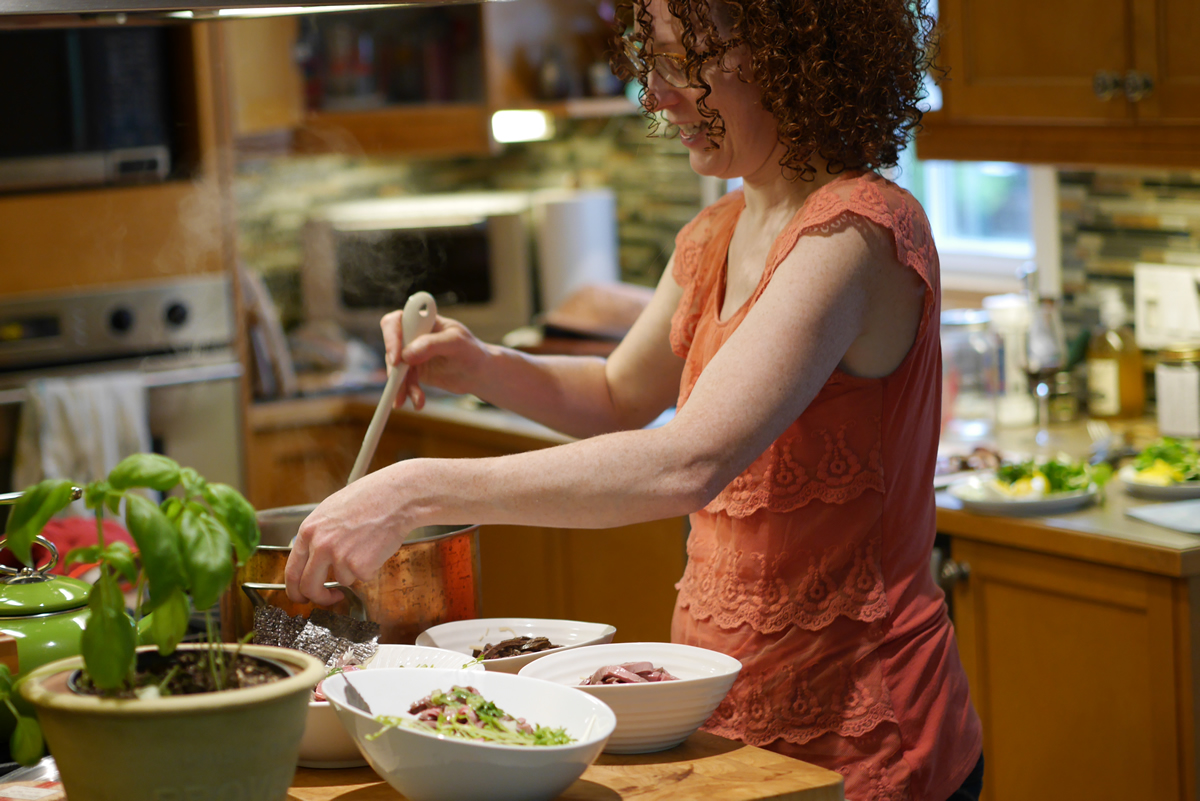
<point>705,767</point>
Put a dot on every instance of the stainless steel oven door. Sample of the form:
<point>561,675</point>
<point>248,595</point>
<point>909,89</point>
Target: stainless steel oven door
<point>192,401</point>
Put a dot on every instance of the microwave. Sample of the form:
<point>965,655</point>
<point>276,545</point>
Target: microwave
<point>363,259</point>
<point>84,107</point>
<point>491,260</point>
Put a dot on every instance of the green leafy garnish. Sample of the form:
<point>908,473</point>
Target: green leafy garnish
<point>1179,457</point>
<point>464,713</point>
<point>1061,474</point>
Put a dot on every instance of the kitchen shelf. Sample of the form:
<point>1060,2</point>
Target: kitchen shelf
<point>583,108</point>
<point>442,129</point>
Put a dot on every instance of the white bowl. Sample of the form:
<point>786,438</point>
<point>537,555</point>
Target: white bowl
<point>327,744</point>
<point>430,767</point>
<point>657,715</point>
<point>465,635</point>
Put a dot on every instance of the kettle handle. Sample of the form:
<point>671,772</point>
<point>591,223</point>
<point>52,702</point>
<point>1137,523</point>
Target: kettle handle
<point>30,572</point>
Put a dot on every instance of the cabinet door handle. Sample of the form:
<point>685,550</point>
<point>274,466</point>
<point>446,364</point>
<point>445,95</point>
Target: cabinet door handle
<point>1137,85</point>
<point>1106,84</point>
<point>952,572</point>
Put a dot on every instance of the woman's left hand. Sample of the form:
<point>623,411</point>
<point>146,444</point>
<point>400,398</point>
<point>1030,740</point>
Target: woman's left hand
<point>352,532</point>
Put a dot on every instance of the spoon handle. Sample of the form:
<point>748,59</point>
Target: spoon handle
<point>420,313</point>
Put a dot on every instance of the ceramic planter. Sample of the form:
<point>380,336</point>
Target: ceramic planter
<point>237,744</point>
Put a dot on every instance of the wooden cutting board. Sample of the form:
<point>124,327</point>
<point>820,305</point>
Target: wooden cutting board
<point>705,767</point>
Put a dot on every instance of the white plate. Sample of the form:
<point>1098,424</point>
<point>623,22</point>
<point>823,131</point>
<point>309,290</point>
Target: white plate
<point>1155,492</point>
<point>326,744</point>
<point>976,496</point>
<point>465,635</point>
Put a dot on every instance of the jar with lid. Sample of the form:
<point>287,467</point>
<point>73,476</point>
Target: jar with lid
<point>970,373</point>
<point>1177,388</point>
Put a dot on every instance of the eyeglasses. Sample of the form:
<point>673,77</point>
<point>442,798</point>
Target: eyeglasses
<point>671,67</point>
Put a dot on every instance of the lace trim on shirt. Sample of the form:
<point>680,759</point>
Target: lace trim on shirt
<point>779,481</point>
<point>734,587</point>
<point>687,313</point>
<point>789,705</point>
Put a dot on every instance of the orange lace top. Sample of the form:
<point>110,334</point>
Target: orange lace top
<point>812,566</point>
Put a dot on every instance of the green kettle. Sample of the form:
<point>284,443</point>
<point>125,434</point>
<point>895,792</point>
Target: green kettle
<point>44,613</point>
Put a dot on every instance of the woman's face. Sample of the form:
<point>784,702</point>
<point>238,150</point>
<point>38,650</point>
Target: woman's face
<point>750,147</point>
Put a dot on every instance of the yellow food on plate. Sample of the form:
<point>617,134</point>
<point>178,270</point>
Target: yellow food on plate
<point>1027,487</point>
<point>1160,474</point>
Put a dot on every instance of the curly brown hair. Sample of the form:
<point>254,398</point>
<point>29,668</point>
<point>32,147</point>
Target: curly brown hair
<point>843,78</point>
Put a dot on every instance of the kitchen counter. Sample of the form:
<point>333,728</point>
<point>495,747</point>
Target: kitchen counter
<point>705,767</point>
<point>1101,533</point>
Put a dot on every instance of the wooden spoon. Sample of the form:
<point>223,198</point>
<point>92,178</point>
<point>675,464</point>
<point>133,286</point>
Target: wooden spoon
<point>420,313</point>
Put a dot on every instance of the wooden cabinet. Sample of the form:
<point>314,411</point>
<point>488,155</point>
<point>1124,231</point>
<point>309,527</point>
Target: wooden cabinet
<point>1082,674</point>
<point>1063,81</point>
<point>64,240</point>
<point>302,451</point>
<point>499,69</point>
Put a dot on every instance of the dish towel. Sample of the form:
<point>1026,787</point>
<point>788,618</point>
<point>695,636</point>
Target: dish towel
<point>1181,515</point>
<point>79,428</point>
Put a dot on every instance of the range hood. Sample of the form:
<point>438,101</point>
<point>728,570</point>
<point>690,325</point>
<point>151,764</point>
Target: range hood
<point>201,9</point>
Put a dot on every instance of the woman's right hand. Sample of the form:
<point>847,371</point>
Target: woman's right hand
<point>449,357</point>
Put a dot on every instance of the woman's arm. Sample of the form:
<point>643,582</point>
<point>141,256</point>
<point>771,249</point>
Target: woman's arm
<point>579,396</point>
<point>816,307</point>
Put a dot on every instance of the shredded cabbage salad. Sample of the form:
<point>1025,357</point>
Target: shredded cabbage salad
<point>462,712</point>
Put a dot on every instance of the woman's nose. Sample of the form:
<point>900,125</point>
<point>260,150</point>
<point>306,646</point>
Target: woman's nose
<point>659,93</point>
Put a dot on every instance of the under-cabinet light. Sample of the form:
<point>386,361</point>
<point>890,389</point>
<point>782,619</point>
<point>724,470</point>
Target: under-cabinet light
<point>281,11</point>
<point>522,125</point>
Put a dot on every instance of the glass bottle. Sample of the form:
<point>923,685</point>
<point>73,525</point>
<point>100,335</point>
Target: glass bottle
<point>1116,377</point>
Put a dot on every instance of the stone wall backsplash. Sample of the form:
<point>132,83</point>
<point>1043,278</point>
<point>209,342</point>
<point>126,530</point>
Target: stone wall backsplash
<point>656,193</point>
<point>1112,219</point>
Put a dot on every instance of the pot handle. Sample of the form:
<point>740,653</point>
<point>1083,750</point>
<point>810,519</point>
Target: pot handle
<point>31,574</point>
<point>358,609</point>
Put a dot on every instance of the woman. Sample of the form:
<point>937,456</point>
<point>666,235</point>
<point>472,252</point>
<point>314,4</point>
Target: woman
<point>796,330</point>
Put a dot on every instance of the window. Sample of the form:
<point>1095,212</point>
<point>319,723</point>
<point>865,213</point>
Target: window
<point>989,219</point>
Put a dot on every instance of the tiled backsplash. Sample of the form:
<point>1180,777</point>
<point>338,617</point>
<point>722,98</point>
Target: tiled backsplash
<point>1110,218</point>
<point>655,188</point>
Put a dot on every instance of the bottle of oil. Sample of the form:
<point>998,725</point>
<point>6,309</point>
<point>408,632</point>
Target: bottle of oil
<point>1116,382</point>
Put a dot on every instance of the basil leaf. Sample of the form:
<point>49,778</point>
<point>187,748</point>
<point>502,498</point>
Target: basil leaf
<point>95,494</point>
<point>120,556</point>
<point>158,542</point>
<point>169,622</point>
<point>109,640</point>
<point>206,552</point>
<point>238,516</point>
<point>172,507</point>
<point>145,470</point>
<point>113,501</point>
<point>32,511</point>
<point>26,743</point>
<point>86,555</point>
<point>6,682</point>
<point>193,482</point>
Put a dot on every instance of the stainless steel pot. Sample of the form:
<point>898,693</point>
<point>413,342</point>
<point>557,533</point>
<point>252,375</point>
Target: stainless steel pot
<point>433,578</point>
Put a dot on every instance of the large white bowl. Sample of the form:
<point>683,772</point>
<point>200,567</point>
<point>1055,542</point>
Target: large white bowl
<point>431,767</point>
<point>327,744</point>
<point>657,715</point>
<point>465,635</point>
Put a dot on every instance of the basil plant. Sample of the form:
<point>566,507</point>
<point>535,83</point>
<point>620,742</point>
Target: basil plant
<point>185,559</point>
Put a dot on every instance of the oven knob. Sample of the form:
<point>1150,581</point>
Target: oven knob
<point>177,314</point>
<point>121,320</point>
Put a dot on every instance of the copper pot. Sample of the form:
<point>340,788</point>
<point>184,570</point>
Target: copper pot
<point>433,578</point>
